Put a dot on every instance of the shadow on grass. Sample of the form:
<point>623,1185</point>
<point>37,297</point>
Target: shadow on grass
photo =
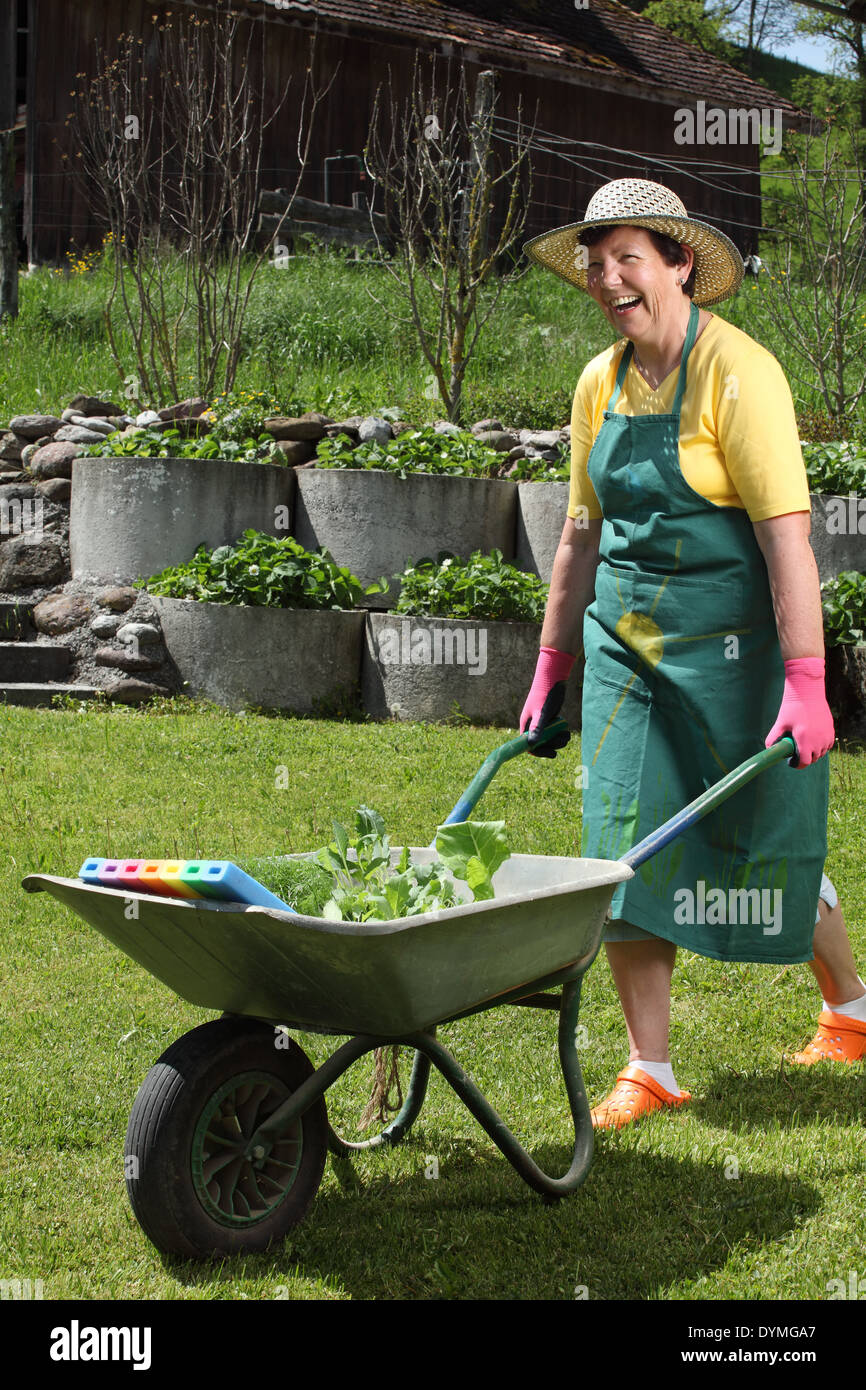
<point>793,1096</point>
<point>639,1224</point>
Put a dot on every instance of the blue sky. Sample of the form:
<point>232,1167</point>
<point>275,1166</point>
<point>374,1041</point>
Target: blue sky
<point>814,52</point>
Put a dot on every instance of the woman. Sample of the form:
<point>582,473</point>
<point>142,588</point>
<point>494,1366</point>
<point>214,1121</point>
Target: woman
<point>685,566</point>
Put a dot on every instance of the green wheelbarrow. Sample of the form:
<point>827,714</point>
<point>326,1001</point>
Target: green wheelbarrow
<point>229,1133</point>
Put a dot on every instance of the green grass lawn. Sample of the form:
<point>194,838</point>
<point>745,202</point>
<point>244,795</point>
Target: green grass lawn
<point>754,1192</point>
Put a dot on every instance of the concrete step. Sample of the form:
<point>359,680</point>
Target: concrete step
<point>15,621</point>
<point>33,661</point>
<point>25,693</point>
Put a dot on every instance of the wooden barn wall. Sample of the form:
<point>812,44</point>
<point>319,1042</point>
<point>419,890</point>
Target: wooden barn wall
<point>59,214</point>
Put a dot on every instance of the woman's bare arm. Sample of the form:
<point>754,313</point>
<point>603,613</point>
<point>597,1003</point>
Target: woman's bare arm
<point>794,583</point>
<point>572,586</point>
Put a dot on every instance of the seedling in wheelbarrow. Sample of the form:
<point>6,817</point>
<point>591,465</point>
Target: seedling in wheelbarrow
<point>368,887</point>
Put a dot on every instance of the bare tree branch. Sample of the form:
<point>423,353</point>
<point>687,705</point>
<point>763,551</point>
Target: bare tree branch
<point>170,150</point>
<point>818,272</point>
<point>457,205</point>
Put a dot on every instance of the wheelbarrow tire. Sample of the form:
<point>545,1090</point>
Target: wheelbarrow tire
<point>203,1098</point>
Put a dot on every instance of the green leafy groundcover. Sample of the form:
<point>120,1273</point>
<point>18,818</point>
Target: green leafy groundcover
<point>265,571</point>
<point>425,451</point>
<point>352,879</point>
<point>484,586</point>
<point>414,451</point>
<point>152,443</point>
<point>837,468</point>
<point>844,603</point>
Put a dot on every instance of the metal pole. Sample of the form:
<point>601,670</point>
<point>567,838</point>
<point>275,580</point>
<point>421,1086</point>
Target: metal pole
<point>476,165</point>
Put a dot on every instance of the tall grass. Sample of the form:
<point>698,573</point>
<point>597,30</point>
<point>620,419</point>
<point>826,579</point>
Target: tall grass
<point>329,332</point>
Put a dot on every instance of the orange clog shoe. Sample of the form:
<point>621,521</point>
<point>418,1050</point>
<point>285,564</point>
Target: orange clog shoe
<point>839,1038</point>
<point>634,1095</point>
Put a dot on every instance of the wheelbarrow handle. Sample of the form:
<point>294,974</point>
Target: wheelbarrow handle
<point>491,765</point>
<point>708,800</point>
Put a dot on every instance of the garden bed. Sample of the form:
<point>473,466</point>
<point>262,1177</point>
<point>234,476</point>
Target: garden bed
<point>134,516</point>
<point>294,660</point>
<point>377,522</point>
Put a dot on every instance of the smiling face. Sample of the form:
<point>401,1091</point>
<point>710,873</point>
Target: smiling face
<point>634,286</point>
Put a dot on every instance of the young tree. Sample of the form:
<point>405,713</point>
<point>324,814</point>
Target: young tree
<point>758,25</point>
<point>717,25</point>
<point>818,272</point>
<point>456,195</point>
<point>846,35</point>
<point>169,145</point>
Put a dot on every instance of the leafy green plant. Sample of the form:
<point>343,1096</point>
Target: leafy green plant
<point>542,470</point>
<point>242,414</point>
<point>366,886</point>
<point>414,451</point>
<point>844,605</point>
<point>484,586</point>
<point>837,467</point>
<point>265,571</point>
<point>474,850</point>
<point>171,443</point>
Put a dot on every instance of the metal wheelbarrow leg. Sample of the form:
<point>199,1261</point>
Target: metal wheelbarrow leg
<point>429,1050</point>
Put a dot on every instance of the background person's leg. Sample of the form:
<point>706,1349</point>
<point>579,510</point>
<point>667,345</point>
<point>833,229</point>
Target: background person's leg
<point>834,967</point>
<point>841,1035</point>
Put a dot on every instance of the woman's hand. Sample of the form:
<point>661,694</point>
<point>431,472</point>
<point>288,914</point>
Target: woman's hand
<point>804,712</point>
<point>545,698</point>
<point>572,587</point>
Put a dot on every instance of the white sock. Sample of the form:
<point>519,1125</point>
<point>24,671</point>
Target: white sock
<point>662,1072</point>
<point>855,1008</point>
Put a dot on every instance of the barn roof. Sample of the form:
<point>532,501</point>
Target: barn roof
<point>604,45</point>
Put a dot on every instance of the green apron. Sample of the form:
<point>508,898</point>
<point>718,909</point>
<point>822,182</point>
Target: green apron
<point>684,676</point>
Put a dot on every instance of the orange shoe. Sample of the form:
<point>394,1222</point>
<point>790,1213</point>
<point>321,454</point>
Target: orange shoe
<point>839,1038</point>
<point>634,1095</point>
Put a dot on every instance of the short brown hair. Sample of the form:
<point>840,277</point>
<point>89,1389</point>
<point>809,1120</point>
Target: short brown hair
<point>670,251</point>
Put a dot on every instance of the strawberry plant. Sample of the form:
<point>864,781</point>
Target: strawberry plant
<point>263,571</point>
<point>414,451</point>
<point>844,605</point>
<point>218,444</point>
<point>836,468</point>
<point>484,586</point>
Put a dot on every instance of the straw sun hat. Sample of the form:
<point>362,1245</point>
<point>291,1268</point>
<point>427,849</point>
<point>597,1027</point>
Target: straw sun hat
<point>640,203</point>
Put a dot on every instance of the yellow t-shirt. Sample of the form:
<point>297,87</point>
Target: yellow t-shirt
<point>739,443</point>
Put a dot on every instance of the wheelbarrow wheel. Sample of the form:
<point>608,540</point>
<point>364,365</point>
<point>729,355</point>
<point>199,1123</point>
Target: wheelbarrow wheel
<point>192,1188</point>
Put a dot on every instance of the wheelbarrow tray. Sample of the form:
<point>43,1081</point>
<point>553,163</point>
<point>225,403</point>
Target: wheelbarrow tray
<point>390,979</point>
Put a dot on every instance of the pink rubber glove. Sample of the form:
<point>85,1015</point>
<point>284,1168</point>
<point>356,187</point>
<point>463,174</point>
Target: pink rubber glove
<point>545,698</point>
<point>804,711</point>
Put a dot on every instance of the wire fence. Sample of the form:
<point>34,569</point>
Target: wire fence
<point>585,163</point>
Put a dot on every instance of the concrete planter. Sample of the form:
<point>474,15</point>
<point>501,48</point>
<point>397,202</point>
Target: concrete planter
<point>131,517</point>
<point>418,668</point>
<point>290,659</point>
<point>541,513</point>
<point>838,533</point>
<point>376,522</point>
<point>846,689</point>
